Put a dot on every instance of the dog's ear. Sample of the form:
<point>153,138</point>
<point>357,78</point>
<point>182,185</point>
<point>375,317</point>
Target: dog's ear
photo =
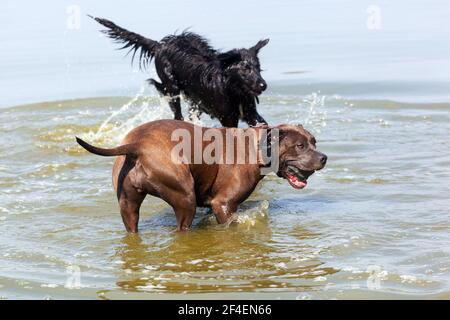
<point>261,44</point>
<point>228,58</point>
<point>282,133</point>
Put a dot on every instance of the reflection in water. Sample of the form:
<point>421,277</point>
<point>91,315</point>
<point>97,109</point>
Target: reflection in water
<point>243,257</point>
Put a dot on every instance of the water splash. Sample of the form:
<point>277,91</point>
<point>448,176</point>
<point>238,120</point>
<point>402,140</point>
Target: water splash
<point>250,217</point>
<point>124,108</point>
<point>316,116</point>
<point>310,111</point>
<point>246,217</point>
<point>140,109</point>
<point>143,107</point>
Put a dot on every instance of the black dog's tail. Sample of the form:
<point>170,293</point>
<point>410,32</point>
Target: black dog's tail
<point>127,149</point>
<point>130,40</point>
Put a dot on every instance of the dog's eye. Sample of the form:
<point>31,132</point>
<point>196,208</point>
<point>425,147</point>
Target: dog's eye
<point>300,145</point>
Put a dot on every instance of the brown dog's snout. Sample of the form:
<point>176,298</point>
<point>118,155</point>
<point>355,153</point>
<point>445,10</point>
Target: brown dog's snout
<point>323,159</point>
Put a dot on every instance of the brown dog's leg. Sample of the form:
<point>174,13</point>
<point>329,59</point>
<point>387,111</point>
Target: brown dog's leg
<point>185,216</point>
<point>129,209</point>
<point>184,205</point>
<point>130,199</point>
<point>224,211</point>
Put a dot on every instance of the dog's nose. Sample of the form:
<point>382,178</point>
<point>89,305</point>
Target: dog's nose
<point>323,159</point>
<point>263,86</point>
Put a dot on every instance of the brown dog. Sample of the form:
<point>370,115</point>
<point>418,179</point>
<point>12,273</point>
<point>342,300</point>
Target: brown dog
<point>146,165</point>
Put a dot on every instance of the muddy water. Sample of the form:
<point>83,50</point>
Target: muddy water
<point>374,223</point>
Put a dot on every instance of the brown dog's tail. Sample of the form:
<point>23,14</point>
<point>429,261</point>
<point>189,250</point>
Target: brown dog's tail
<point>127,149</point>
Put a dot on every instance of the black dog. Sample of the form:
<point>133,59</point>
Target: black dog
<point>224,85</point>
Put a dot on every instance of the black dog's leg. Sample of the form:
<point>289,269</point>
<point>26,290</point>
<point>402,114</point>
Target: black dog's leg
<point>175,106</point>
<point>168,86</point>
<point>230,121</point>
<point>255,119</point>
<point>251,115</point>
<point>159,86</point>
<point>193,111</point>
<point>174,101</point>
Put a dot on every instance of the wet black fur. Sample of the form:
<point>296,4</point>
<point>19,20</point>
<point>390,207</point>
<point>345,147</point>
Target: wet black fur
<point>224,85</point>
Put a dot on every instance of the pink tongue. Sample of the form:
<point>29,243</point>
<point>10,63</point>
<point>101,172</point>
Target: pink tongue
<point>297,183</point>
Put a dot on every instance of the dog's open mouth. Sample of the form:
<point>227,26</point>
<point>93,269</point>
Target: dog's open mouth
<point>297,178</point>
